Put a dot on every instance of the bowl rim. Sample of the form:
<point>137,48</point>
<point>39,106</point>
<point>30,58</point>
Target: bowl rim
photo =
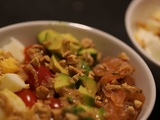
<point>102,33</point>
<point>128,14</point>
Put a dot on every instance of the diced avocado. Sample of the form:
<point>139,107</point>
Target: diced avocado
<point>55,66</point>
<point>43,35</point>
<point>75,109</point>
<point>74,44</point>
<point>89,84</point>
<point>51,39</point>
<point>62,80</point>
<point>78,110</point>
<point>71,38</point>
<point>85,66</point>
<point>54,41</point>
<point>87,98</point>
<point>91,51</point>
<point>84,112</point>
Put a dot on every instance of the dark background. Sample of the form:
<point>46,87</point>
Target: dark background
<point>106,15</point>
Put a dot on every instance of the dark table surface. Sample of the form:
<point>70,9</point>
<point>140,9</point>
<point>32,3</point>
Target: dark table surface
<point>106,15</point>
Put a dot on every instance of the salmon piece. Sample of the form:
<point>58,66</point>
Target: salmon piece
<point>113,69</point>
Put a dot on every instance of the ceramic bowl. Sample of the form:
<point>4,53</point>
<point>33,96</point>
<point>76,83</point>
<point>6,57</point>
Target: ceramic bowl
<point>140,10</point>
<point>109,45</point>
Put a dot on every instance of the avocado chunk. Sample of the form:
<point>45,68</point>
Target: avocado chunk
<point>87,89</point>
<point>75,109</point>
<point>84,112</point>
<point>42,36</point>
<point>90,84</point>
<point>55,41</point>
<point>92,51</point>
<point>74,43</point>
<point>62,80</point>
<point>55,66</point>
<point>87,98</point>
<point>85,66</point>
<point>80,112</point>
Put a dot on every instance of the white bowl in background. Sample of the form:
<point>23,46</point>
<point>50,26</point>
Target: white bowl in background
<point>140,10</point>
<point>27,33</point>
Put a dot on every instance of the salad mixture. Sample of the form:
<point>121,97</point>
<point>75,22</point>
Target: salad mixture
<point>147,34</point>
<point>63,78</point>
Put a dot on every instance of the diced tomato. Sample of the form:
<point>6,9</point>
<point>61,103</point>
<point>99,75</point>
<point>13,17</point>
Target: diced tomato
<point>55,103</point>
<point>27,58</point>
<point>43,74</point>
<point>28,97</point>
<point>31,80</point>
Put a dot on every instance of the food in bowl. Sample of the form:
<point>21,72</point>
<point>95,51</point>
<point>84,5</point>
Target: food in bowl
<point>147,34</point>
<point>141,11</point>
<point>61,77</point>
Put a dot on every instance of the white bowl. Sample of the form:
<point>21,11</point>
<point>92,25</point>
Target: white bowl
<point>26,32</point>
<point>140,10</point>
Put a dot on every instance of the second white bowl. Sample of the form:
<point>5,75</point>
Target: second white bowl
<point>140,10</point>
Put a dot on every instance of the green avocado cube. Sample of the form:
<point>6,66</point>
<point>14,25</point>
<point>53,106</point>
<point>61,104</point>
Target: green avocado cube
<point>62,80</point>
